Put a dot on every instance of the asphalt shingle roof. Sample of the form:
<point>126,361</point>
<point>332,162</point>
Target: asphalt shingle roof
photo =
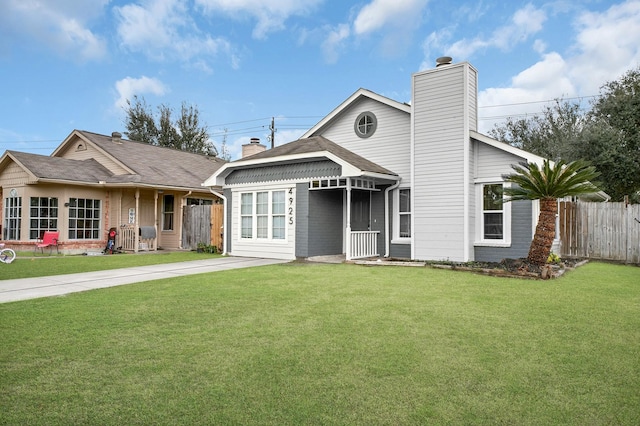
<point>151,165</point>
<point>319,144</point>
<point>44,167</point>
<point>155,165</point>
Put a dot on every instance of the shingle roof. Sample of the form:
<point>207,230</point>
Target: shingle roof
<point>44,167</point>
<point>151,165</point>
<point>155,165</point>
<point>320,144</point>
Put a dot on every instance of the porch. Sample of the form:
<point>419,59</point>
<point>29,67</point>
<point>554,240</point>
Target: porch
<point>137,238</point>
<point>359,203</point>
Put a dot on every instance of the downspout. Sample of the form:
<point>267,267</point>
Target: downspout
<point>184,197</point>
<point>387,231</point>
<point>224,219</point>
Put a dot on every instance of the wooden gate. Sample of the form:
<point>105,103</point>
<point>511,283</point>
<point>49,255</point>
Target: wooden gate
<point>202,224</point>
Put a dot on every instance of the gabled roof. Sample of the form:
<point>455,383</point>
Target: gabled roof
<point>358,95</point>
<point>41,167</point>
<point>306,149</point>
<point>139,164</point>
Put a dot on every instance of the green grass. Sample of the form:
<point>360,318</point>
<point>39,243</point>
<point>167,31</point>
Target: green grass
<point>329,344</point>
<point>28,266</point>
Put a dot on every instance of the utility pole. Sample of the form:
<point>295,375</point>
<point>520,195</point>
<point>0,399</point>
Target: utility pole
<point>272,127</point>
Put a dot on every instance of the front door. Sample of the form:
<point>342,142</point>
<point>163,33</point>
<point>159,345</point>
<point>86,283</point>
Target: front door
<point>360,210</point>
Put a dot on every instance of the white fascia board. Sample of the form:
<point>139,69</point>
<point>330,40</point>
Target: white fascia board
<point>344,105</point>
<point>531,158</point>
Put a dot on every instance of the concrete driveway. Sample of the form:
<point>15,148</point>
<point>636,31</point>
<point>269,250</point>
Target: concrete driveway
<point>57,285</point>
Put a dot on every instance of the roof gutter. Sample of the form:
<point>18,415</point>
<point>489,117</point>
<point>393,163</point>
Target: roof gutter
<point>387,232</point>
<point>224,219</point>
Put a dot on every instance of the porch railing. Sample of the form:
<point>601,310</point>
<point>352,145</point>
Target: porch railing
<point>127,237</point>
<point>127,240</point>
<point>363,244</point>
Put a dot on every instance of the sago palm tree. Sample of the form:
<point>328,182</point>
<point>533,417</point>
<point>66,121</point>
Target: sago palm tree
<point>547,184</point>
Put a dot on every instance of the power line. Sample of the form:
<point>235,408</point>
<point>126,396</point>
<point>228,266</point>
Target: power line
<point>537,102</point>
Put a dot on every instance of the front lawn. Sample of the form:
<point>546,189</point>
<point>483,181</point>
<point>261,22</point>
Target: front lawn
<point>329,344</point>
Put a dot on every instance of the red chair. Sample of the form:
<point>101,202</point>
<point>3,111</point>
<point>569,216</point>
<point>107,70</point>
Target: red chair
<point>49,239</point>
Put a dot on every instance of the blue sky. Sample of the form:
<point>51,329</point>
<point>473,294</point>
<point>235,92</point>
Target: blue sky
<point>71,64</point>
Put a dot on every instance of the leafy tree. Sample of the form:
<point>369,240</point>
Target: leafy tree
<point>607,135</point>
<point>554,133</point>
<point>547,184</point>
<point>185,133</point>
<point>615,117</point>
<point>140,124</point>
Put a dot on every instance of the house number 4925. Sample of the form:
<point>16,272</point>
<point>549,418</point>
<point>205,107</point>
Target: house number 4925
<point>290,209</point>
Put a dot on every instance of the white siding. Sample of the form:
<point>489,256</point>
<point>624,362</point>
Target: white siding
<point>491,162</point>
<point>442,196</point>
<point>274,249</point>
<point>389,146</point>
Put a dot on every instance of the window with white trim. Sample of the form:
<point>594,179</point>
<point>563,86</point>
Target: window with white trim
<point>12,216</point>
<point>246,215</point>
<point>263,215</point>
<point>492,214</point>
<point>84,219</point>
<point>278,208</point>
<point>493,224</point>
<point>404,213</point>
<point>43,216</point>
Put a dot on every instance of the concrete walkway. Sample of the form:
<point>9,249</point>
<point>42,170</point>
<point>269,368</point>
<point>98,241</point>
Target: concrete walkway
<point>57,285</point>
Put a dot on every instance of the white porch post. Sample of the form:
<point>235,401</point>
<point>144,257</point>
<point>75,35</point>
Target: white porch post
<point>137,223</point>
<point>155,218</point>
<point>348,230</point>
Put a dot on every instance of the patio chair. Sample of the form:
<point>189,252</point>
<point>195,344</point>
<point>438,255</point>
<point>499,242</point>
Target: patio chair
<point>49,239</point>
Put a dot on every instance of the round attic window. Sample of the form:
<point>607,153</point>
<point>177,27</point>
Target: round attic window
<point>365,124</point>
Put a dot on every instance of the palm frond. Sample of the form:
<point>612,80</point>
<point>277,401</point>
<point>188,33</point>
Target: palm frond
<point>531,182</point>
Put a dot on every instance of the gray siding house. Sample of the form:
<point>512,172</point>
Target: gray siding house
<point>377,177</point>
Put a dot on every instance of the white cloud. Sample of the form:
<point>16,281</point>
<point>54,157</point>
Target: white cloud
<point>605,48</point>
<point>62,27</point>
<point>270,15</point>
<point>606,45</point>
<point>129,86</point>
<point>524,23</point>
<point>380,13</point>
<point>163,30</point>
<point>335,42</point>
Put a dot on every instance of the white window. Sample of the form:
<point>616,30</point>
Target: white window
<point>12,216</point>
<point>404,212</point>
<point>277,212</point>
<point>402,216</point>
<point>262,215</point>
<point>246,215</point>
<point>493,224</point>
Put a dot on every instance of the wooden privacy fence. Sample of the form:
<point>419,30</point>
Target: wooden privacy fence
<point>606,231</point>
<point>202,224</point>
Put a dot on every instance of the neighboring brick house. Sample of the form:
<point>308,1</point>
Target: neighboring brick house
<point>92,183</point>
